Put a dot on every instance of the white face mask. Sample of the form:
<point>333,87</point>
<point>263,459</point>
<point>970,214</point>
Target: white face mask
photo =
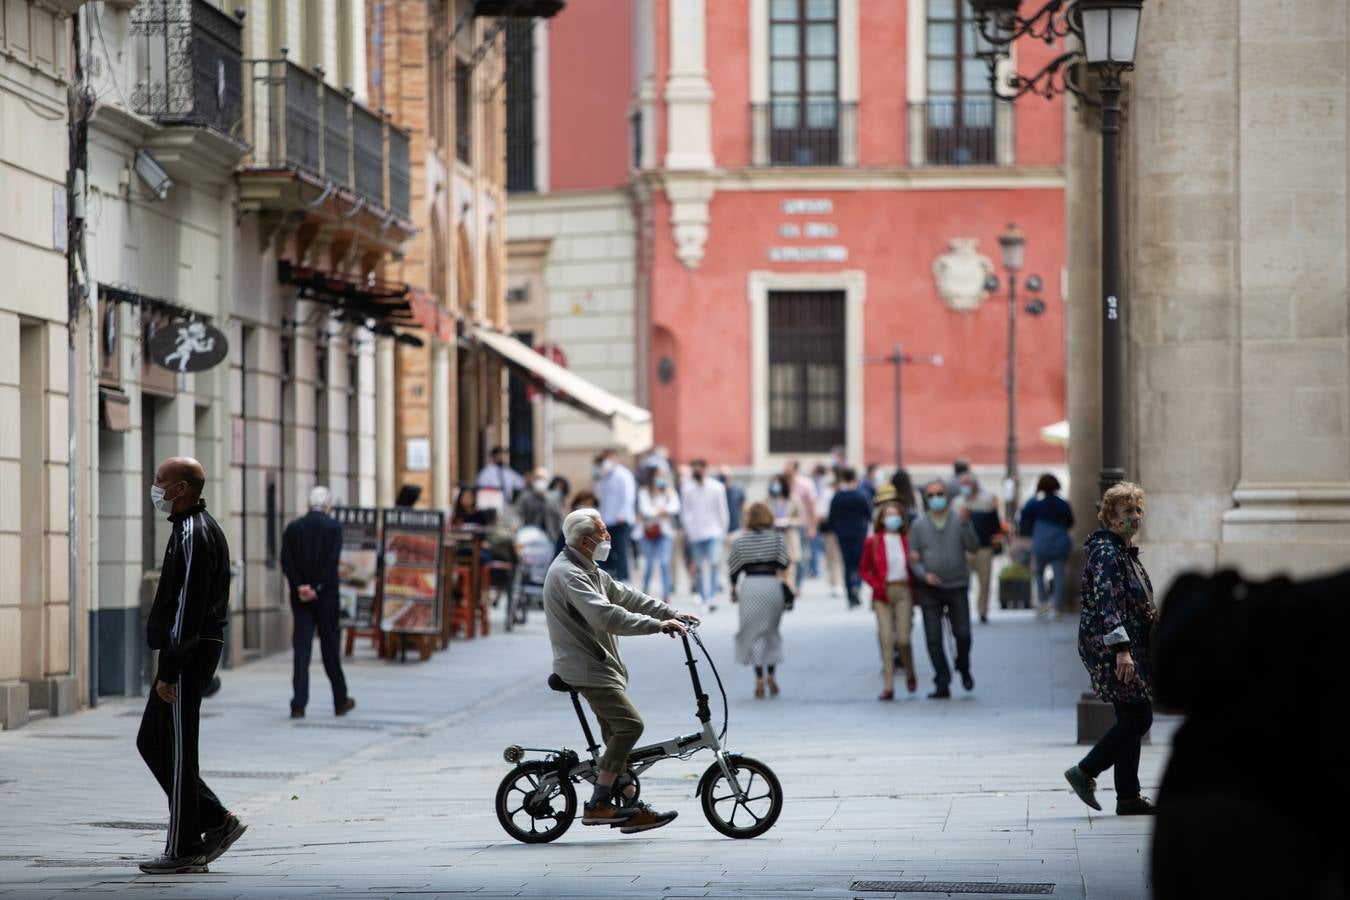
<point>157,498</point>
<point>540,485</point>
<point>601,551</point>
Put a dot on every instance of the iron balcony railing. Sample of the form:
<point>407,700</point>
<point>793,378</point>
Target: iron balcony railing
<point>956,131</point>
<point>191,65</point>
<point>298,122</point>
<point>804,133</point>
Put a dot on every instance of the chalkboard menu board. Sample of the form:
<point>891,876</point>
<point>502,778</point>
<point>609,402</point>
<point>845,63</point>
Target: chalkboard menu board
<point>412,571</point>
<point>359,565</point>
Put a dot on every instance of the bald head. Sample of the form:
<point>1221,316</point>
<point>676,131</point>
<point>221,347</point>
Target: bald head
<point>182,479</point>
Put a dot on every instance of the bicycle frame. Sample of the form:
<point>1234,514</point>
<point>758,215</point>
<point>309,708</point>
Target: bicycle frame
<point>569,765</point>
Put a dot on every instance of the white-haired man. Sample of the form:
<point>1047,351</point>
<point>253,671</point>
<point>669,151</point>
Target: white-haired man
<point>310,549</point>
<point>586,610</point>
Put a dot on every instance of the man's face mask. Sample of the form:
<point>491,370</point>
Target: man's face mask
<point>161,503</point>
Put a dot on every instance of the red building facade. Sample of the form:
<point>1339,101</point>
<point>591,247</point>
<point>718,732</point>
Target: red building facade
<point>815,182</point>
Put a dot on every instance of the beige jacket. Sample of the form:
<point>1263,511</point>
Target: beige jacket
<point>586,610</point>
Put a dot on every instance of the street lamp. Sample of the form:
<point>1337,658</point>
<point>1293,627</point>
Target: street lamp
<point>1109,31</point>
<point>898,358</point>
<point>1012,245</point>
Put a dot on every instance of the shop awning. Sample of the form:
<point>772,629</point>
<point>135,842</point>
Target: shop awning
<point>1057,434</point>
<point>378,303</point>
<point>630,425</point>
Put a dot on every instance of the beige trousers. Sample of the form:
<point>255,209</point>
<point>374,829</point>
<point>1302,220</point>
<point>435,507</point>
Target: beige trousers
<point>895,619</point>
<point>834,561</point>
<point>981,563</point>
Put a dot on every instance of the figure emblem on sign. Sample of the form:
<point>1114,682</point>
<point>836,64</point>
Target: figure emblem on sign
<point>961,274</point>
<point>191,339</point>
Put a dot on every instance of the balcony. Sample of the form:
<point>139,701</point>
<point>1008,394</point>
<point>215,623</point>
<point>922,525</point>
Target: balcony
<point>191,65</point>
<point>966,131</point>
<point>317,152</point>
<point>804,133</point>
<point>299,123</point>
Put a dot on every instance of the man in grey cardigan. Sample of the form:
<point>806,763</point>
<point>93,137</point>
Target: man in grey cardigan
<point>938,544</point>
<point>586,610</point>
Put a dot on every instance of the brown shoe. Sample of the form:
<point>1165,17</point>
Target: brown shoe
<point>647,819</point>
<point>911,683</point>
<point>759,688</point>
<point>297,712</point>
<point>347,706</point>
<point>773,687</point>
<point>606,812</point>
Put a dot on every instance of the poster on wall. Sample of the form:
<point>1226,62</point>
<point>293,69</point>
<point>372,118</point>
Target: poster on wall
<point>412,571</point>
<point>359,565</point>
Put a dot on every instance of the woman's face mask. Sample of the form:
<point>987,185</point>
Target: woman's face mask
<point>661,484</point>
<point>1131,522</point>
<point>893,522</point>
<point>776,489</point>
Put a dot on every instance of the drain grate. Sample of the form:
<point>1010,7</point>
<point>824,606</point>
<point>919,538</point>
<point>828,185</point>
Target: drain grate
<point>130,826</point>
<point>82,863</point>
<point>954,887</point>
<point>270,776</point>
<point>348,726</point>
<point>76,737</point>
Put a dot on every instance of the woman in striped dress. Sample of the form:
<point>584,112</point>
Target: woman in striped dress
<point>758,566</point>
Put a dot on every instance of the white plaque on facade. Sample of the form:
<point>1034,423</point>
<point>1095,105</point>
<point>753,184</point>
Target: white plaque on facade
<point>808,254</point>
<point>419,454</point>
<point>807,207</point>
<point>960,275</point>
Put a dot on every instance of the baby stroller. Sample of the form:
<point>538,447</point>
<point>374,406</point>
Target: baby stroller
<point>534,552</point>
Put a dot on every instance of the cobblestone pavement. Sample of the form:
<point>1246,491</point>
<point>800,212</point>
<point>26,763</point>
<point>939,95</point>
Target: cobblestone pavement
<point>396,799</point>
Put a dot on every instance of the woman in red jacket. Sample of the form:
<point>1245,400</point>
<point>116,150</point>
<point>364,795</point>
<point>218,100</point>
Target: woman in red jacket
<point>885,568</point>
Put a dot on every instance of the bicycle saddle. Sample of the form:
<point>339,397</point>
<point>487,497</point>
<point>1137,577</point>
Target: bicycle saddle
<point>557,684</point>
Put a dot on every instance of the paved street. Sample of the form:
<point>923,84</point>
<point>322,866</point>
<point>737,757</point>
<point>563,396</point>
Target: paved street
<point>396,799</point>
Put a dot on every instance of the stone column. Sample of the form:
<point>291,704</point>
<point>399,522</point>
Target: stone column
<point>1293,493</point>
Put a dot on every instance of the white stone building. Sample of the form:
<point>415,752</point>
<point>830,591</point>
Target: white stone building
<point>37,666</point>
<point>1236,149</point>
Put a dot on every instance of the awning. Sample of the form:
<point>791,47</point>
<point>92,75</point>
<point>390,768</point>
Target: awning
<point>1057,434</point>
<point>630,425</point>
<point>357,300</point>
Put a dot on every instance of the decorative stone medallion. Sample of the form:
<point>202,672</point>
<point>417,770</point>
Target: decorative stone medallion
<point>961,273</point>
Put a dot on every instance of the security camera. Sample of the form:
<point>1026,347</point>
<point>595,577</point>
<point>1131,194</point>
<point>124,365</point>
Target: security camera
<point>155,178</point>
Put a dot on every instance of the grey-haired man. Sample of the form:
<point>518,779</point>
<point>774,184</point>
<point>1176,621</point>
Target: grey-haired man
<point>586,611</point>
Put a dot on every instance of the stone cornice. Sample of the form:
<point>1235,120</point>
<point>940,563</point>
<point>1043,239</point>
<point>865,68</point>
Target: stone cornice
<point>929,178</point>
<point>198,155</point>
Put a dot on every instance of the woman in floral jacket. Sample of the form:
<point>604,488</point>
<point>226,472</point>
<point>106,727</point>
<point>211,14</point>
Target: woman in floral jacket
<point>1114,637</point>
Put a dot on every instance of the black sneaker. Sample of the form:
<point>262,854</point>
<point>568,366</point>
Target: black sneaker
<point>1136,806</point>
<point>940,694</point>
<point>218,840</point>
<point>175,865</point>
<point>967,681</point>
<point>1084,786</point>
<point>647,819</point>
<point>606,812</point>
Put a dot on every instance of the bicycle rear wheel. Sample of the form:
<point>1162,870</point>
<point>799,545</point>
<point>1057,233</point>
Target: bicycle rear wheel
<point>535,804</point>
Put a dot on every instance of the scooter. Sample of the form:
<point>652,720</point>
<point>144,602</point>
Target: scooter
<point>741,797</point>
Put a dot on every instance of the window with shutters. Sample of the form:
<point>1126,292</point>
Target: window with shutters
<point>520,105</point>
<point>960,110</point>
<point>806,371</point>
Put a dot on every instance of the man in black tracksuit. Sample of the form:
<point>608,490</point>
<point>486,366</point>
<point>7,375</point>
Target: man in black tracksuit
<point>187,627</point>
<point>310,550</point>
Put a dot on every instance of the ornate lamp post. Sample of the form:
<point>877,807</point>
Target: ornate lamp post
<point>1109,32</point>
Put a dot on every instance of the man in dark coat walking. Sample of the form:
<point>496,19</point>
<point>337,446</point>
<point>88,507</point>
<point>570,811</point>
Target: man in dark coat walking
<point>310,549</point>
<point>850,518</point>
<point>187,627</point>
